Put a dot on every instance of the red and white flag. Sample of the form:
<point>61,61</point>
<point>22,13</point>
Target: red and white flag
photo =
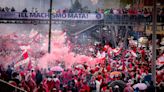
<point>24,59</point>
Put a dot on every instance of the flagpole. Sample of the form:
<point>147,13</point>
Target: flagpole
<point>153,63</point>
<point>50,23</point>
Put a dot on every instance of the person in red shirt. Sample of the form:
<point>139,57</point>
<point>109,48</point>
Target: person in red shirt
<point>108,68</point>
<point>85,87</point>
<point>24,84</point>
<point>40,88</point>
<point>33,74</point>
<point>142,51</point>
<point>99,77</point>
<point>128,88</point>
<point>49,83</point>
<point>31,83</point>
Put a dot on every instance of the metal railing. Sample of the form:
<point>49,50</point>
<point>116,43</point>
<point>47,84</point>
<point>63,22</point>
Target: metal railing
<point>6,87</point>
<point>133,18</point>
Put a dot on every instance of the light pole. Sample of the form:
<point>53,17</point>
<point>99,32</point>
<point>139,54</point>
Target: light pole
<point>71,2</point>
<point>50,23</point>
<point>153,63</point>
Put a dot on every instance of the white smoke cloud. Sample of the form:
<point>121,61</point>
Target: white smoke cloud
<point>94,1</point>
<point>43,5</point>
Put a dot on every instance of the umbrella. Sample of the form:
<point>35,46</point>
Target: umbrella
<point>121,84</point>
<point>115,73</point>
<point>56,68</point>
<point>162,41</point>
<point>143,40</point>
<point>80,66</point>
<point>141,86</point>
<point>161,48</point>
<point>160,60</point>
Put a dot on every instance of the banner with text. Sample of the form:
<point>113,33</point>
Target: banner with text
<point>45,16</point>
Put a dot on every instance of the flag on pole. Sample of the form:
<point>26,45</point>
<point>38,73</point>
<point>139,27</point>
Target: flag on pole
<point>24,59</point>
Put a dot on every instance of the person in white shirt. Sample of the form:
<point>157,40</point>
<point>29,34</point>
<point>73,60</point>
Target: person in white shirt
<point>98,83</point>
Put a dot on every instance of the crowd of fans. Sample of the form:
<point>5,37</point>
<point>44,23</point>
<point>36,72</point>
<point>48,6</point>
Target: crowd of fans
<point>144,11</point>
<point>12,9</point>
<point>7,9</point>
<point>33,10</point>
<point>111,75</point>
<point>114,74</point>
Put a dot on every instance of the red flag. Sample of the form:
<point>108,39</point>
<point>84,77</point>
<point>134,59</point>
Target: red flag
<point>25,55</point>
